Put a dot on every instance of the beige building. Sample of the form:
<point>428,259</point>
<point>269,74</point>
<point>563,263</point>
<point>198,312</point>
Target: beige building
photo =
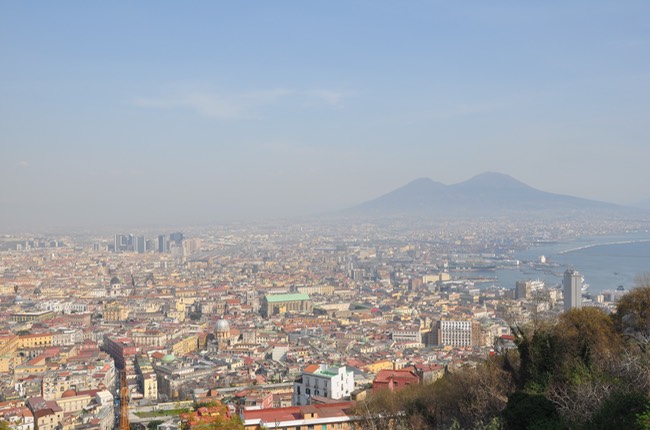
<point>277,304</point>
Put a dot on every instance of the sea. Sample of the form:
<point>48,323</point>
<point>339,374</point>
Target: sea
<point>605,262</point>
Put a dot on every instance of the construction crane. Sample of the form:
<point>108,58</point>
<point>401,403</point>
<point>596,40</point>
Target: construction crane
<point>124,401</point>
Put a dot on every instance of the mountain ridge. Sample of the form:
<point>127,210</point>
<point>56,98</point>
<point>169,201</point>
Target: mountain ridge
<point>488,192</point>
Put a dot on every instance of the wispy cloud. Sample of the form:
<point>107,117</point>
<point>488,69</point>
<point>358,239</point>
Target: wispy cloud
<point>333,98</point>
<point>220,106</point>
<point>24,164</point>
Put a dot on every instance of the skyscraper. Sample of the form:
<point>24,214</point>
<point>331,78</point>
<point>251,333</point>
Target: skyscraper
<point>140,245</point>
<point>572,284</point>
<point>162,243</point>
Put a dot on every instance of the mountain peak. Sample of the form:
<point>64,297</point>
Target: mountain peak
<point>486,193</point>
<point>492,180</point>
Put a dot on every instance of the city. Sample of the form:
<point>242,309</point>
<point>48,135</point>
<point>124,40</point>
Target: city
<point>260,318</point>
<point>334,215</point>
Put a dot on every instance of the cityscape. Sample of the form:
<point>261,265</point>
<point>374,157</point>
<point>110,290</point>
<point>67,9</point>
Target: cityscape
<point>264,319</point>
<point>339,215</point>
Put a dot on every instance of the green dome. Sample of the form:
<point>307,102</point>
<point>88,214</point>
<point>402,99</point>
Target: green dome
<point>168,358</point>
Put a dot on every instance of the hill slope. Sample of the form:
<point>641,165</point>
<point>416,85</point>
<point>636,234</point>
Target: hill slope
<point>487,192</point>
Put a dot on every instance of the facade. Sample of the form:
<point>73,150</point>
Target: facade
<point>32,316</point>
<point>572,289</point>
<point>120,349</point>
<point>412,335</point>
<point>277,304</point>
<point>318,380</point>
<point>37,340</point>
<point>523,290</point>
<point>457,333</point>
<point>328,416</point>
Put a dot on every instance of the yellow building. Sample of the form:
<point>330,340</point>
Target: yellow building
<point>32,316</point>
<point>186,345</point>
<point>6,361</point>
<point>8,345</point>
<point>114,311</point>
<point>380,365</point>
<point>35,340</point>
<point>71,402</point>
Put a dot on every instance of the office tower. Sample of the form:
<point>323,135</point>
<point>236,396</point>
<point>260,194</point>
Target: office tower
<point>572,284</point>
<point>162,244</point>
<point>176,237</point>
<point>523,290</point>
<point>121,243</point>
<point>140,245</point>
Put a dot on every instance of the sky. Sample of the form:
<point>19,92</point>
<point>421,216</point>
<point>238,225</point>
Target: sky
<point>161,112</point>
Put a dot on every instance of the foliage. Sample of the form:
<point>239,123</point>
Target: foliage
<point>632,317</point>
<point>153,425</point>
<point>162,413</point>
<point>530,410</point>
<point>619,411</point>
<point>643,419</point>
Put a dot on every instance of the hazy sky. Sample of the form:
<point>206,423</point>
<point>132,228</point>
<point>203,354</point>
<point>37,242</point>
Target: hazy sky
<point>190,112</point>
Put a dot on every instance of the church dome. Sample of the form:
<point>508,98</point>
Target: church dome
<point>168,358</point>
<point>223,325</point>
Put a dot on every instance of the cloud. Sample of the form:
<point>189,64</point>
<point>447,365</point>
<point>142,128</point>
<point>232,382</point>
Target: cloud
<point>216,105</point>
<point>24,164</point>
<point>332,98</point>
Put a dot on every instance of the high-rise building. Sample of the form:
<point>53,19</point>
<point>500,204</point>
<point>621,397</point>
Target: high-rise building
<point>163,246</point>
<point>177,238</point>
<point>523,290</point>
<point>572,290</point>
<point>140,245</point>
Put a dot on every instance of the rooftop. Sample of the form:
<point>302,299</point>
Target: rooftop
<point>290,297</point>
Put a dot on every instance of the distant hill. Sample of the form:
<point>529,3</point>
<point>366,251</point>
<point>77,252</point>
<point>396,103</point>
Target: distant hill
<point>644,204</point>
<point>490,192</point>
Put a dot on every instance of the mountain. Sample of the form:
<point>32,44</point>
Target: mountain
<point>489,192</point>
<point>644,204</point>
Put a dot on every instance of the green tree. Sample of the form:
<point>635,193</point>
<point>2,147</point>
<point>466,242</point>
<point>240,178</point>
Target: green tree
<point>632,317</point>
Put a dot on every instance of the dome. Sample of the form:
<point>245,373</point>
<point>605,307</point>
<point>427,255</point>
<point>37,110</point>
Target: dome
<point>115,280</point>
<point>68,393</point>
<point>168,358</point>
<point>223,325</point>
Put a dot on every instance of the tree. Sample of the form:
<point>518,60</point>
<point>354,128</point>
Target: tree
<point>632,317</point>
<point>153,425</point>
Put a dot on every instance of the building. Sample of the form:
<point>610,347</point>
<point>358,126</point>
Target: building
<point>140,245</point>
<point>322,416</point>
<point>412,335</point>
<point>115,311</point>
<point>572,289</point>
<point>319,380</point>
<point>523,290</point>
<point>457,333</point>
<point>119,349</point>
<point>275,304</point>
<point>163,246</point>
<point>32,316</point>
<point>394,380</point>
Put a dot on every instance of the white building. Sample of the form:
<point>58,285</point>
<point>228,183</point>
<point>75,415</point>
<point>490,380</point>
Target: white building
<point>412,335</point>
<point>322,381</point>
<point>456,333</point>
